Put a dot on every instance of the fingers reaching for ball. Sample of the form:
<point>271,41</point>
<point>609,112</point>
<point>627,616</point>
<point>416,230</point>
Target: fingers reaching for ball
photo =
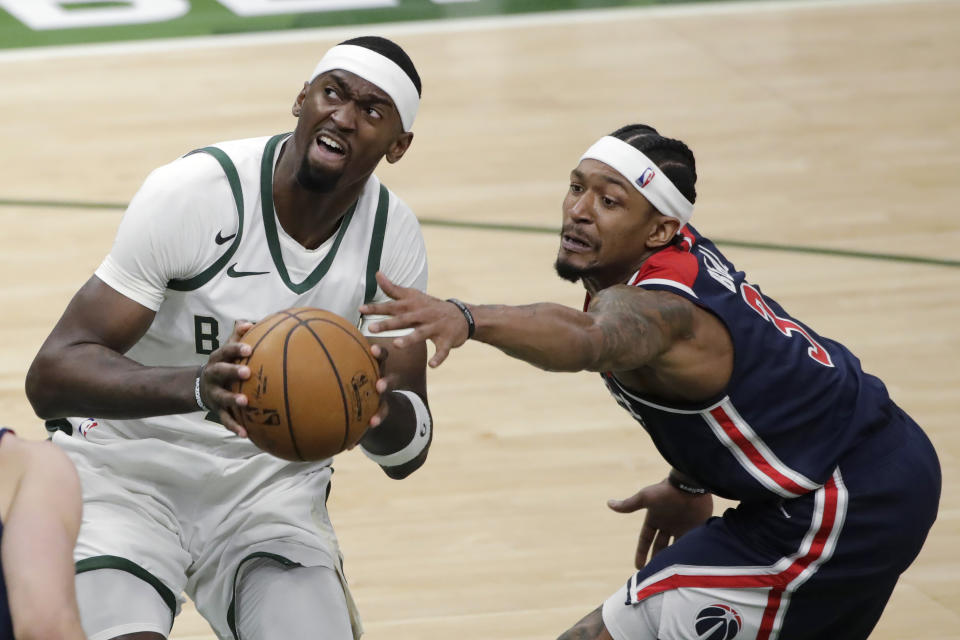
<point>446,323</point>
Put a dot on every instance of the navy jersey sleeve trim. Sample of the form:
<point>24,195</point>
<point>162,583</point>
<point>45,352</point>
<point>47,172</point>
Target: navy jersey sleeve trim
<point>662,284</point>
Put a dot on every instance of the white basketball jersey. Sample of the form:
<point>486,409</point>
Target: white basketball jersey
<point>243,266</point>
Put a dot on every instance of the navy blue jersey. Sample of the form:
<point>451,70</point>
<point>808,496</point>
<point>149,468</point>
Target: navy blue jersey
<point>795,402</point>
<point>6,626</point>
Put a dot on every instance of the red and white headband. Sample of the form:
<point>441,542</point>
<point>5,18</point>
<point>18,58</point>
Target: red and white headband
<point>379,70</point>
<point>645,176</point>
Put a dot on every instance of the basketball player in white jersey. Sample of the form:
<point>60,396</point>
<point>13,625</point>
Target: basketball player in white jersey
<point>138,370</point>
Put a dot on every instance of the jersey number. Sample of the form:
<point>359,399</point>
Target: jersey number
<point>785,325</point>
<point>205,332</point>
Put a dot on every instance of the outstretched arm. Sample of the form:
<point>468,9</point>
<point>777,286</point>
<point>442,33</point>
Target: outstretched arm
<point>624,328</point>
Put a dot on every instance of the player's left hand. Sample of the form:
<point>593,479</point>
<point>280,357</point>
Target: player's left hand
<point>386,384</point>
<point>430,318</point>
<point>670,514</point>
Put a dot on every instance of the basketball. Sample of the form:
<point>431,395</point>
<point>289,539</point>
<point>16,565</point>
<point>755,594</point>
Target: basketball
<point>312,385</point>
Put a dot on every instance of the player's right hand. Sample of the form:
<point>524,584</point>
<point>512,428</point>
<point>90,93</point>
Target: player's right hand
<point>220,373</point>
<point>430,318</point>
<point>670,514</point>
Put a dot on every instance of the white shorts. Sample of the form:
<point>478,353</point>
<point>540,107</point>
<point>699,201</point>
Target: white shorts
<point>184,520</point>
<point>681,614</point>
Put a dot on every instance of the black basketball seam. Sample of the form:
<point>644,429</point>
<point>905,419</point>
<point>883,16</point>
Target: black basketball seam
<point>253,349</point>
<point>286,395</point>
<point>366,347</point>
<point>265,334</point>
<point>336,373</point>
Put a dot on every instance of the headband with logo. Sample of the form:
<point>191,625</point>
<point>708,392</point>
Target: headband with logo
<point>644,175</point>
<point>378,69</point>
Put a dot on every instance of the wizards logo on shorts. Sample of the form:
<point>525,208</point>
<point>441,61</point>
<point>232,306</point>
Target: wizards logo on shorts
<point>718,622</point>
<point>646,177</point>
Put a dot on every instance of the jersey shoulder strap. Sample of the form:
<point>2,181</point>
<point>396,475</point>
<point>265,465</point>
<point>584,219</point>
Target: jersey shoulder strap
<point>233,178</point>
<point>376,243</point>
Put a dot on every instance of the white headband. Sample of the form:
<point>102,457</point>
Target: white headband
<point>378,69</point>
<point>643,174</point>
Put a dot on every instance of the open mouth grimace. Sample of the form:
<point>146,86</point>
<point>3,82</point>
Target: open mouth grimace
<point>327,143</point>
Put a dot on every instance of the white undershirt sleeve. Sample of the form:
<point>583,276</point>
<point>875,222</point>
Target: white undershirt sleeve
<point>404,259</point>
<point>168,229</point>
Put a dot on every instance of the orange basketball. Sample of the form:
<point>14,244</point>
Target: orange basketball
<point>312,386</point>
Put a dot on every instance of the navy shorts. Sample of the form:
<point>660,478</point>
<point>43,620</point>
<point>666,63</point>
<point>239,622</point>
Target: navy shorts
<point>819,566</point>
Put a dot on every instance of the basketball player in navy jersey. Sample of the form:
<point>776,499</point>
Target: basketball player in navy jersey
<point>837,486</point>
<point>39,519</point>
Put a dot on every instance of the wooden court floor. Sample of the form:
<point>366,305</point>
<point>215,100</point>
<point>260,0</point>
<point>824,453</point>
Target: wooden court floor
<point>828,125</point>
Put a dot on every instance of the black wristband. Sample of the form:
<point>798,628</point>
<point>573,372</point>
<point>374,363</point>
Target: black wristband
<point>471,325</point>
<point>686,487</point>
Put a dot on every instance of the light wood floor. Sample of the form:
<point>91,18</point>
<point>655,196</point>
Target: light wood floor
<point>835,126</point>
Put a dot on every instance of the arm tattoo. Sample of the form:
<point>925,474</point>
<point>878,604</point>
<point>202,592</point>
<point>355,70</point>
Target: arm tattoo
<point>589,628</point>
<point>637,325</point>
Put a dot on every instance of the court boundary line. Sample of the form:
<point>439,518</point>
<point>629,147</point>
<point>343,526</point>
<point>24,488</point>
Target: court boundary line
<point>524,228</point>
<point>437,25</point>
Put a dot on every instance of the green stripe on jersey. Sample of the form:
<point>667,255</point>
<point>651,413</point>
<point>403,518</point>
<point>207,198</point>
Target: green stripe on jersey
<point>122,564</point>
<point>233,178</point>
<point>376,244</point>
<point>270,226</point>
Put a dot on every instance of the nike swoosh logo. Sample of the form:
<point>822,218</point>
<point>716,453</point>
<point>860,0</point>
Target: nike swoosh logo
<point>220,239</point>
<point>233,273</point>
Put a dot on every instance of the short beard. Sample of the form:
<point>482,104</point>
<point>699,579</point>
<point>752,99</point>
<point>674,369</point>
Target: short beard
<point>569,272</point>
<point>318,181</point>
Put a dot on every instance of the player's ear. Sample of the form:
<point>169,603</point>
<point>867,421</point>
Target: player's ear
<point>399,146</point>
<point>298,103</point>
<point>663,231</point>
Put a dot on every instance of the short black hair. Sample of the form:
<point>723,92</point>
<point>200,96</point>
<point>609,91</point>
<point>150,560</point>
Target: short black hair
<point>393,51</point>
<point>672,156</point>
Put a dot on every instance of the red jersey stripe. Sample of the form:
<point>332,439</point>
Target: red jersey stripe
<point>752,454</point>
<point>778,582</point>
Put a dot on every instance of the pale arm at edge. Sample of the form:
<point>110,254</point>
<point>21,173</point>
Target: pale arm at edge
<point>39,536</point>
